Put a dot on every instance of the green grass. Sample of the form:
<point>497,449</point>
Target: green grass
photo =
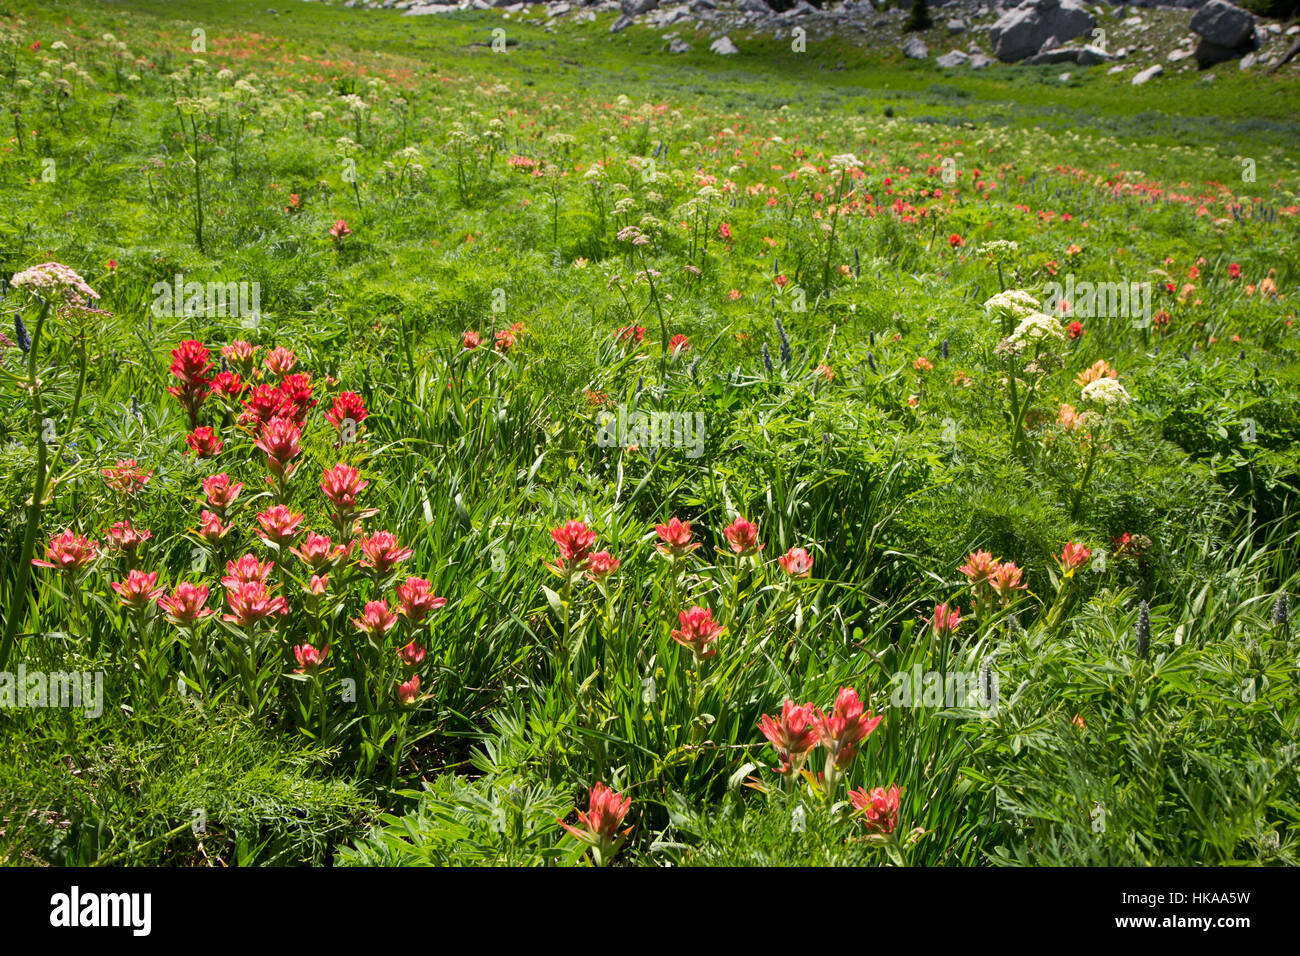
<point>889,472</point>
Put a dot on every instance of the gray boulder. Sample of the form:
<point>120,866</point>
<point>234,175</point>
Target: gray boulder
<point>915,49</point>
<point>634,8</point>
<point>1226,33</point>
<point>621,24</point>
<point>954,59</point>
<point>1021,32</point>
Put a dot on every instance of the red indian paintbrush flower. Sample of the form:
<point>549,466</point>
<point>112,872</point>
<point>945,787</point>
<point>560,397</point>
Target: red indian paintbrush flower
<point>412,655</point>
<point>598,826</point>
<point>504,341</point>
<point>601,565</point>
<point>679,345</point>
<point>979,565</point>
<point>945,621</point>
<point>137,592</point>
<point>190,365</point>
<point>341,485</point>
<point>347,407</point>
<point>245,571</point>
<point>297,389</point>
<point>675,538</point>
<point>221,493</point>
<point>308,657</point>
<point>697,632</point>
<point>279,525</point>
<point>1073,556</point>
<point>251,602</point>
<point>574,539</point>
<point>280,361</point>
<point>126,477</point>
<point>978,569</point>
<point>319,552</point>
<point>1005,581</point>
<point>204,442</point>
<point>340,230</point>
<point>879,807</point>
<point>742,535</point>
<point>186,605</point>
<point>241,355</point>
<point>382,552</point>
<point>68,551</point>
<point>846,727</point>
<point>264,404</point>
<point>280,442</point>
<point>631,334</point>
<point>408,693</point>
<point>793,736</point>
<point>470,340</point>
<point>211,529</point>
<point>796,562</point>
<point>376,620</point>
<point>124,536</point>
<point>228,387</point>
<point>415,599</point>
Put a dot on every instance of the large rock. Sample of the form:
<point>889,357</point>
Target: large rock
<point>1021,32</point>
<point>915,49</point>
<point>634,8</point>
<point>1222,23</point>
<point>1226,33</point>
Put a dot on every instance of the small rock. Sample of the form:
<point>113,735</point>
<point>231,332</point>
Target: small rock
<point>723,46</point>
<point>1146,74</point>
<point>1248,61</point>
<point>1176,55</point>
<point>621,24</point>
<point>956,26</point>
<point>1116,69</point>
<point>954,59</point>
<point>1064,77</point>
<point>979,61</point>
<point>679,46</point>
<point>915,49</point>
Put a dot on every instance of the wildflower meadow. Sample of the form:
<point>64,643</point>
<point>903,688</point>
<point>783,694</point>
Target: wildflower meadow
<point>486,439</point>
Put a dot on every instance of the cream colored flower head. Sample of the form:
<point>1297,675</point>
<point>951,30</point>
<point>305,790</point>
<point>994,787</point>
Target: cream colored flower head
<point>1014,304</point>
<point>1037,328</point>
<point>1107,392</point>
<point>999,250</point>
